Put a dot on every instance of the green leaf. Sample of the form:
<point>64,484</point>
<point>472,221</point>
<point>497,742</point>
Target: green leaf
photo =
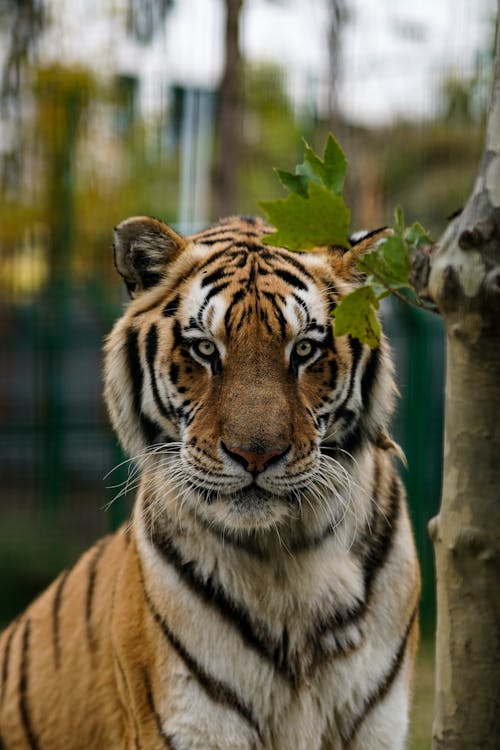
<point>416,237</point>
<point>307,171</point>
<point>399,220</point>
<point>312,164</point>
<point>304,223</point>
<point>396,257</point>
<point>330,171</point>
<point>335,165</point>
<point>295,183</point>
<point>355,316</point>
<point>388,262</point>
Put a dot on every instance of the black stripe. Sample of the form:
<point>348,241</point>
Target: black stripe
<point>356,351</point>
<point>360,237</point>
<point>208,262</point>
<point>252,547</point>
<point>150,278</point>
<point>305,309</point>
<point>256,635</point>
<point>170,308</point>
<point>213,241</point>
<point>248,219</point>
<point>375,548</point>
<point>151,350</point>
<point>3,746</point>
<point>254,246</point>
<point>383,687</point>
<point>6,656</point>
<point>211,293</point>
<point>287,257</point>
<point>89,598</point>
<point>333,373</point>
<point>369,376</point>
<point>220,229</point>
<point>56,609</point>
<point>23,689</point>
<point>354,440</point>
<point>217,275</point>
<point>149,429</point>
<point>147,308</point>
<point>278,313</point>
<point>174,373</point>
<point>134,366</point>
<point>383,529</point>
<point>218,691</point>
<point>290,278</point>
<point>237,297</point>
<point>168,740</point>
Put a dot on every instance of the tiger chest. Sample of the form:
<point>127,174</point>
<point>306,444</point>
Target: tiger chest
<point>233,671</point>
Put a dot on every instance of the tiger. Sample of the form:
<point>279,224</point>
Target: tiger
<point>264,593</point>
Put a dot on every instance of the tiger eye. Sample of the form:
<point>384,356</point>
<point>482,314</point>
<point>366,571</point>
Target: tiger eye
<point>205,347</point>
<point>304,348</point>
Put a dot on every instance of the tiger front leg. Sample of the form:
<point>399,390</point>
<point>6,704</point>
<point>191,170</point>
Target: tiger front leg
<point>384,725</point>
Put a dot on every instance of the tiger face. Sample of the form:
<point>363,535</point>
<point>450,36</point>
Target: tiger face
<point>239,400</point>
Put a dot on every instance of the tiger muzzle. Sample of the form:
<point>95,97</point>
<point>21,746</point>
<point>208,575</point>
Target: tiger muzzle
<point>254,461</point>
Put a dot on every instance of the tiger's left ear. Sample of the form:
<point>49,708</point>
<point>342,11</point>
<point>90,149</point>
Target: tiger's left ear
<point>143,247</point>
<point>345,260</point>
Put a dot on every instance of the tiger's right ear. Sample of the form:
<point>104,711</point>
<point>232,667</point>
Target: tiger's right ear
<point>143,247</point>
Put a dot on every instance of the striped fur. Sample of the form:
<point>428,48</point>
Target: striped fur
<point>265,593</point>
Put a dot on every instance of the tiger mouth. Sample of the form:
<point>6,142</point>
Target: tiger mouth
<point>251,497</point>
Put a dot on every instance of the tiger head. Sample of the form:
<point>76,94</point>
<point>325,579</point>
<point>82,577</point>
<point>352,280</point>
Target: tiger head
<point>225,381</point>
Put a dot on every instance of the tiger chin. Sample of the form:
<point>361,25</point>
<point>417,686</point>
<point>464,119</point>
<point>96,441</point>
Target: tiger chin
<point>264,594</point>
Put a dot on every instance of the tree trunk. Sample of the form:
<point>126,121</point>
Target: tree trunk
<point>464,281</point>
<point>229,117</point>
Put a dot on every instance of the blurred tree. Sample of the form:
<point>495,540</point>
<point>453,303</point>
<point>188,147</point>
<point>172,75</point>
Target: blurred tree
<point>145,17</point>
<point>338,18</point>
<point>228,116</point>
<point>62,97</point>
<point>23,22</point>
<point>271,134</point>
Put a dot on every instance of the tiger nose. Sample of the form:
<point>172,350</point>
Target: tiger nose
<point>254,462</point>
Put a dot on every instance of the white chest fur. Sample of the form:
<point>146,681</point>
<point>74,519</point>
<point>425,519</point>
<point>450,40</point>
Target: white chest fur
<point>282,652</point>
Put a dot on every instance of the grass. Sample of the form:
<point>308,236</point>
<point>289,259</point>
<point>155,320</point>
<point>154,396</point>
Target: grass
<point>423,698</point>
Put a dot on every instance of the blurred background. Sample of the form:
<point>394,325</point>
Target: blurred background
<point>180,109</point>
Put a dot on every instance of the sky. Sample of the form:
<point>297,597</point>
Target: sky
<point>394,53</point>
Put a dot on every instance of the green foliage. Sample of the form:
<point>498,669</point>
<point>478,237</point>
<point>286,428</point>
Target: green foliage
<point>314,214</point>
<point>303,223</point>
<point>388,265</point>
<point>355,316</point>
<point>387,268</point>
<point>330,171</point>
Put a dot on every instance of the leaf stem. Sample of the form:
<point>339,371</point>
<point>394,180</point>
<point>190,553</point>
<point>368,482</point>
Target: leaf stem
<point>417,302</point>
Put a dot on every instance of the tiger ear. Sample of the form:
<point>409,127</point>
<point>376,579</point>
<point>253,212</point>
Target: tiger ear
<point>361,243</point>
<point>143,247</point>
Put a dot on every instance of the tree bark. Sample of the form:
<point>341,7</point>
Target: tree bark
<point>229,117</point>
<point>462,276</point>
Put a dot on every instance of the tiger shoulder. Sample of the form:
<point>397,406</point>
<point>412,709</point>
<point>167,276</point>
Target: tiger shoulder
<point>264,594</point>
